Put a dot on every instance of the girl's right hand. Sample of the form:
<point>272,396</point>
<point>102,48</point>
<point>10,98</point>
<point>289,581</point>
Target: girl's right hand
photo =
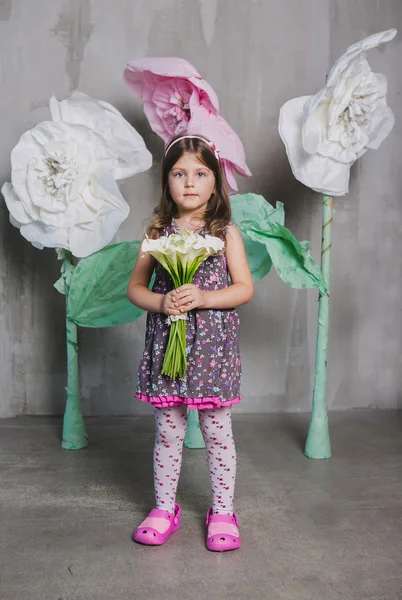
<point>168,304</point>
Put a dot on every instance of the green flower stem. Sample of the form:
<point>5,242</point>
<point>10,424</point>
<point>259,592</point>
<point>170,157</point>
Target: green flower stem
<point>318,443</point>
<point>74,434</point>
<point>175,359</point>
<point>193,437</point>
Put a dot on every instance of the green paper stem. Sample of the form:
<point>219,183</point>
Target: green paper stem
<point>318,444</point>
<point>193,437</point>
<point>74,434</point>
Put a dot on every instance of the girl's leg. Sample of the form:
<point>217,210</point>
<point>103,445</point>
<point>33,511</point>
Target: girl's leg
<point>171,425</point>
<point>216,427</point>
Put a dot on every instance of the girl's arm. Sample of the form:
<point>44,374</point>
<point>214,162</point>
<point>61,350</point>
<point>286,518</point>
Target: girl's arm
<point>138,292</point>
<point>240,292</point>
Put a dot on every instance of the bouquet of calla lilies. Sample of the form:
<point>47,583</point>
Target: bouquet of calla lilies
<point>180,254</point>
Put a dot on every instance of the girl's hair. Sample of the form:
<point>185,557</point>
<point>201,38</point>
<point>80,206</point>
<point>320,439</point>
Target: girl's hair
<point>218,212</point>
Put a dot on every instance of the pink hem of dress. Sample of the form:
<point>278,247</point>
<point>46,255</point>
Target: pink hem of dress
<point>208,402</point>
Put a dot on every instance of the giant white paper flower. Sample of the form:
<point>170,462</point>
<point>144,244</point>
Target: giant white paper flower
<point>63,192</point>
<point>324,134</point>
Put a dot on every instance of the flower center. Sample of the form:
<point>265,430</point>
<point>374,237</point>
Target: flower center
<point>362,103</point>
<point>58,171</point>
<point>178,114</point>
<point>357,113</point>
<point>178,118</point>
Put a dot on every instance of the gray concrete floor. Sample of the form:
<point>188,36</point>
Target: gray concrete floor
<point>311,530</point>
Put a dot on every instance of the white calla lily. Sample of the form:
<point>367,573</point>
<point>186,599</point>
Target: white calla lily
<point>214,244</point>
<point>326,133</point>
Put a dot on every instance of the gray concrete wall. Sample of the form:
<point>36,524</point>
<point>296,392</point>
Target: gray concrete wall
<point>256,55</point>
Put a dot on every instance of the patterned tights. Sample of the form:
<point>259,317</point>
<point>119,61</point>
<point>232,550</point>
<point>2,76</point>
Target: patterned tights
<point>216,427</point>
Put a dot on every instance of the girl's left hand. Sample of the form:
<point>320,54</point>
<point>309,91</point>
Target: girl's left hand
<point>188,297</point>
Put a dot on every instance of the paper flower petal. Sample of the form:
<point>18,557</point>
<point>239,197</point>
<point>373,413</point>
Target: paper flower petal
<point>84,240</point>
<point>123,140</point>
<point>143,73</point>
<point>18,213</point>
<point>315,171</point>
<point>231,150</point>
<point>41,236</point>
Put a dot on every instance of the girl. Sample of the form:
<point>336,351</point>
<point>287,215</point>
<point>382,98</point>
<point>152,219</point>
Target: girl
<point>194,198</point>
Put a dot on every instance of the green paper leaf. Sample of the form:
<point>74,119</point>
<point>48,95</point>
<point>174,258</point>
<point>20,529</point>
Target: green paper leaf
<point>60,285</point>
<point>66,270</point>
<point>291,259</point>
<point>252,207</point>
<point>98,289</point>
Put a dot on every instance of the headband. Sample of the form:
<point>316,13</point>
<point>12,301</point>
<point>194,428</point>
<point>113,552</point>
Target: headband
<point>195,137</point>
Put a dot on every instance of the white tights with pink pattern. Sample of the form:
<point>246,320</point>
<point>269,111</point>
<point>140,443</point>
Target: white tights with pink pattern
<point>216,427</point>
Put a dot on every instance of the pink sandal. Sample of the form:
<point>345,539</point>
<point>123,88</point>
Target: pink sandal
<point>223,533</point>
<point>157,527</point>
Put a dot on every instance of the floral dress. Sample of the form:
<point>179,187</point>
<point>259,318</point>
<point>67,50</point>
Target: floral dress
<point>212,346</point>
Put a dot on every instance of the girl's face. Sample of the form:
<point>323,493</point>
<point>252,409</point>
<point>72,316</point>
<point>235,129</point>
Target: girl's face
<point>191,184</point>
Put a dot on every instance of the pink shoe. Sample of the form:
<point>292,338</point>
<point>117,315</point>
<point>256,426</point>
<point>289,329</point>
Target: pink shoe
<point>223,533</point>
<point>157,527</point>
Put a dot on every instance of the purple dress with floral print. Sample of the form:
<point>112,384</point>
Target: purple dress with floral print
<point>213,356</point>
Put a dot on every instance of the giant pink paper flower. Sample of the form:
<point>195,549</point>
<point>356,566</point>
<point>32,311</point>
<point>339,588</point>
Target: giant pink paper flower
<point>179,101</point>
